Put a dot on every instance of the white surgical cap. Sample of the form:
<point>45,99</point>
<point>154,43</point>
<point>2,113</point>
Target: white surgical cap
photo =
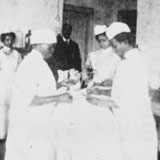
<point>99,29</point>
<point>43,36</point>
<point>116,28</point>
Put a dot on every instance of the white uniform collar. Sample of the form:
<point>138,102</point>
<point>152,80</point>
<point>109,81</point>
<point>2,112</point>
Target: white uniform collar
<point>131,53</point>
<point>108,50</point>
<point>66,40</point>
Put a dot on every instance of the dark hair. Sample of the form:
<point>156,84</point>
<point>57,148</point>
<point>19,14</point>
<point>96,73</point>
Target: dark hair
<point>12,34</point>
<point>126,37</point>
<point>102,34</point>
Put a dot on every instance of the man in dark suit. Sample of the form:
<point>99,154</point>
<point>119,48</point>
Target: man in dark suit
<point>67,53</point>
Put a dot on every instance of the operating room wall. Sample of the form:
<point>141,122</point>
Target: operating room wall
<point>105,11</point>
<point>22,15</point>
<point>148,37</point>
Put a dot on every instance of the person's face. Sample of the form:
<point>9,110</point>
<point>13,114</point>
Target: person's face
<point>103,41</point>
<point>66,33</point>
<point>118,47</point>
<point>8,41</point>
<point>47,50</point>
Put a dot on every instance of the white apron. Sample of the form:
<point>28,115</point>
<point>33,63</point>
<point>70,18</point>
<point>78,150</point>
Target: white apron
<point>134,115</point>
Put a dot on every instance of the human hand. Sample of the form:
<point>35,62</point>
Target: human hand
<point>100,102</point>
<point>62,84</point>
<point>97,91</point>
<point>93,91</point>
<point>107,83</point>
<point>65,97</point>
<point>93,100</point>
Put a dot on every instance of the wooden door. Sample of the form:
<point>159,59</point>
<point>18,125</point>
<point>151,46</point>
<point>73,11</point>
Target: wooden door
<point>81,19</point>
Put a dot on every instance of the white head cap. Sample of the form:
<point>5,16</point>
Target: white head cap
<point>43,36</point>
<point>116,28</point>
<point>99,29</point>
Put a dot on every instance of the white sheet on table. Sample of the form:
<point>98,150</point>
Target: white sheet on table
<point>86,132</point>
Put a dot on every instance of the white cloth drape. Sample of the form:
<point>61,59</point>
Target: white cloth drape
<point>86,132</point>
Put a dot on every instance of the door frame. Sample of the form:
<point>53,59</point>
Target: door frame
<point>89,30</point>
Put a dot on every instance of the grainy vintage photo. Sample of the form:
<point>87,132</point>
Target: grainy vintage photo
<point>79,80</point>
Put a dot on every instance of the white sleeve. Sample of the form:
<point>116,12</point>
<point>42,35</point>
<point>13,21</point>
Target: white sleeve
<point>25,87</point>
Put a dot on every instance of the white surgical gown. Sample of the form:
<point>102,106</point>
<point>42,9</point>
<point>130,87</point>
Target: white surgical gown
<point>31,132</point>
<point>8,67</point>
<point>136,122</point>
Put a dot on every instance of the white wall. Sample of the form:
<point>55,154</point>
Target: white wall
<point>30,14</point>
<point>105,11</point>
<point>148,37</point>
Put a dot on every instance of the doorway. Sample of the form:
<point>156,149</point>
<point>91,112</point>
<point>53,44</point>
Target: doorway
<point>81,19</point>
<point>129,17</point>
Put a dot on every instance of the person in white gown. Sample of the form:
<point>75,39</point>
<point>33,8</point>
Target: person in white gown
<point>130,94</point>
<point>85,131</point>
<point>102,61</point>
<point>31,134</point>
<point>9,61</point>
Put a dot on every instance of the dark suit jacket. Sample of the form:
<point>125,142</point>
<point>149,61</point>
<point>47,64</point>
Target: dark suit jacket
<point>65,56</point>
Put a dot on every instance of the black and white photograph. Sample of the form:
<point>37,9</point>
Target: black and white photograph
<point>79,80</point>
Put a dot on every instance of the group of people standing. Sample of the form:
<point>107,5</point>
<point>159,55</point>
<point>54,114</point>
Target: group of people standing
<point>102,61</point>
<point>118,63</point>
